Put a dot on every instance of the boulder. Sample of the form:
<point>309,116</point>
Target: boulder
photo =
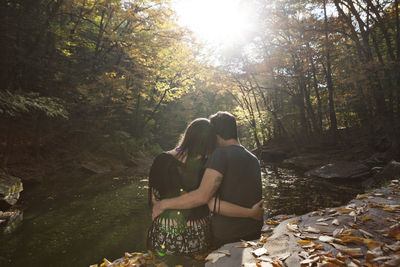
<point>94,168</point>
<point>306,162</point>
<point>272,156</point>
<point>11,219</point>
<point>343,169</point>
<point>311,239</point>
<point>391,170</point>
<point>10,187</point>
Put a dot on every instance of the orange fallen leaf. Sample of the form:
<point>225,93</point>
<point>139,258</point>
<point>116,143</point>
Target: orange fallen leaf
<point>334,260</point>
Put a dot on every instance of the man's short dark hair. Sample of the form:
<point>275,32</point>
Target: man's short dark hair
<point>224,124</point>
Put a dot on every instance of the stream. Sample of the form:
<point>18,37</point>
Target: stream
<point>81,220</point>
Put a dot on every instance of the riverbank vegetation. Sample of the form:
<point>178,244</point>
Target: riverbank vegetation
<point>122,78</point>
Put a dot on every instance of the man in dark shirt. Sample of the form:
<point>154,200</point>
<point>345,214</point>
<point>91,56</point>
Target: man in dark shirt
<point>232,174</point>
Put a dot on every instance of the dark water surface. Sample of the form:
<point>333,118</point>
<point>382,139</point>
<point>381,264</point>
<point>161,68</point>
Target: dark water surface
<point>79,221</point>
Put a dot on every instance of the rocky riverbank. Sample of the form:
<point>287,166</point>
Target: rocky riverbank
<point>10,189</point>
<point>366,232</point>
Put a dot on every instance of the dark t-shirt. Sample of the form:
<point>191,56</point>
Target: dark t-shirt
<point>241,185</point>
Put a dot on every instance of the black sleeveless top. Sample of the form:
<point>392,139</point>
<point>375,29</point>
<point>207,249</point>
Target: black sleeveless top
<point>170,178</point>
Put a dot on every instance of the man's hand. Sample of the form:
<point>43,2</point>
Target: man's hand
<point>257,211</point>
<point>157,209</point>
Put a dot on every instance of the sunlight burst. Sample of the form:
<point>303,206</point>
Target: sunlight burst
<point>217,22</point>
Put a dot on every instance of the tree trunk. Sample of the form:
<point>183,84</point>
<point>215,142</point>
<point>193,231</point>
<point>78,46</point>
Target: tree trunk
<point>316,89</point>
<point>328,73</point>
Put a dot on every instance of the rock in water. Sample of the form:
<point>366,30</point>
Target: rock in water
<point>306,162</point>
<point>13,219</point>
<point>391,170</point>
<point>342,169</point>
<point>94,168</point>
<point>10,187</point>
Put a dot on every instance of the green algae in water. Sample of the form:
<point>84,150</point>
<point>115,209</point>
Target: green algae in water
<point>81,225</point>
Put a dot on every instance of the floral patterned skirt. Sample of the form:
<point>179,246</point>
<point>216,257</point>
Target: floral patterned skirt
<point>167,236</point>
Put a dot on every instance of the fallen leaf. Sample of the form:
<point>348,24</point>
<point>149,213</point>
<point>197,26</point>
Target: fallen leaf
<point>213,257</point>
<point>259,252</point>
<point>352,264</point>
<point>383,258</point>
<point>292,227</point>
<point>266,228</point>
<point>105,263</point>
<point>265,264</point>
<point>272,222</point>
<point>332,211</point>
<point>309,262</point>
<point>366,233</point>
<point>348,231</point>
<point>395,261</point>
<point>310,237</point>
<point>334,260</point>
<point>366,218</point>
<point>326,239</point>
<point>322,224</point>
<point>324,219</point>
<point>395,246</point>
<point>303,254</point>
<point>345,211</point>
<point>337,231</point>
<point>265,258</point>
<point>354,252</point>
<point>310,229</point>
<point>226,252</point>
<point>394,231</point>
<point>335,222</point>
<point>284,256</point>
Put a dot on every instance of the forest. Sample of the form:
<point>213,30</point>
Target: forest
<point>117,81</point>
<point>123,76</point>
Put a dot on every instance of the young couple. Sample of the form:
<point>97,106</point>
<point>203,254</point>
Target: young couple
<point>209,171</point>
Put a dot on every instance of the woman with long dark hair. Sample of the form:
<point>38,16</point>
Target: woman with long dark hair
<point>179,171</point>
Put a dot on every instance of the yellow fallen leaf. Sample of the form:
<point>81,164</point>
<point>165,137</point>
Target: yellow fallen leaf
<point>361,196</point>
<point>345,211</point>
<point>303,242</point>
<point>366,218</point>
<point>105,263</point>
<point>292,227</point>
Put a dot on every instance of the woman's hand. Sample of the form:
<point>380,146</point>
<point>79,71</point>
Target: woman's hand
<point>257,211</point>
